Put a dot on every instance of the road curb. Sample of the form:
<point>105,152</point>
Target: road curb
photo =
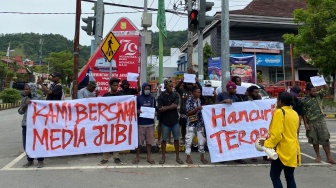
<point>5,106</point>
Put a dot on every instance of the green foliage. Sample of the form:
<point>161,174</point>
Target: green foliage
<point>66,90</point>
<point>27,45</point>
<point>316,36</point>
<point>61,62</point>
<point>207,53</point>
<point>175,39</point>
<point>10,95</point>
<point>150,71</point>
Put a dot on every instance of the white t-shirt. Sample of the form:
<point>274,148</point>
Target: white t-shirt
<point>84,93</point>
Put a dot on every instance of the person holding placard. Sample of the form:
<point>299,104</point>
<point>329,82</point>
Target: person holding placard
<point>315,124</point>
<point>184,89</point>
<point>283,137</point>
<point>145,125</point>
<point>195,124</point>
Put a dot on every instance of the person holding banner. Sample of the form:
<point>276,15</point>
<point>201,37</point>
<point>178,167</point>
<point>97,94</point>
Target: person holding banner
<point>228,97</point>
<point>145,125</point>
<point>114,82</point>
<point>30,94</point>
<point>167,105</point>
<point>195,124</point>
<point>283,137</point>
<point>315,124</point>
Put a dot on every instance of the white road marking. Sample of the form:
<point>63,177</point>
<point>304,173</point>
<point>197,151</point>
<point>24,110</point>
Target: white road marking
<point>9,165</point>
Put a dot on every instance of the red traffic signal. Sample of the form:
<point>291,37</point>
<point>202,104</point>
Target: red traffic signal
<point>193,17</point>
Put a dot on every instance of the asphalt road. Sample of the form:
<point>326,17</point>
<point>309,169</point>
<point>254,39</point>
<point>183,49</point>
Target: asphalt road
<point>83,171</point>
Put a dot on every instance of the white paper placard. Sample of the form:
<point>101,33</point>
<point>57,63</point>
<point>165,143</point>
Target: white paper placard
<point>241,90</point>
<point>207,91</point>
<point>132,77</point>
<point>318,81</point>
<point>147,112</point>
<point>189,78</point>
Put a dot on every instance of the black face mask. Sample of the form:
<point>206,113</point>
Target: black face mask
<point>125,88</point>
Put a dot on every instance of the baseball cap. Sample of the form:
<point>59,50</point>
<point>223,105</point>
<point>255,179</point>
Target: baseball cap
<point>92,83</point>
<point>231,85</point>
<point>124,82</point>
<point>56,74</point>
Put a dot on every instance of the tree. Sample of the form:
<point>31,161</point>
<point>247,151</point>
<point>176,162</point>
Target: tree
<point>316,36</point>
<point>61,62</point>
<point>150,70</point>
<point>207,53</point>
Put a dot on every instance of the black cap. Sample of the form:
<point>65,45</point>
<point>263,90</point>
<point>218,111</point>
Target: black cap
<point>56,74</point>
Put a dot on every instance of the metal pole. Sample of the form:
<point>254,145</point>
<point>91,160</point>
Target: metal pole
<point>190,42</point>
<point>99,22</point>
<point>76,51</point>
<point>200,57</point>
<point>144,51</point>
<point>225,39</point>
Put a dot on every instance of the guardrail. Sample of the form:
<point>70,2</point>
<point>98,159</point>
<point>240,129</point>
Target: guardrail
<point>5,106</point>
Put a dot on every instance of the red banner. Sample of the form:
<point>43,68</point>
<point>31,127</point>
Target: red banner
<point>127,58</point>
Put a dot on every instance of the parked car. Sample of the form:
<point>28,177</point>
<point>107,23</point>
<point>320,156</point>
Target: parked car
<point>281,86</point>
<point>19,85</point>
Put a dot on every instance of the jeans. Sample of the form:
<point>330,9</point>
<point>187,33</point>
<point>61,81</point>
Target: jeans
<point>175,129</point>
<point>24,133</point>
<point>276,169</point>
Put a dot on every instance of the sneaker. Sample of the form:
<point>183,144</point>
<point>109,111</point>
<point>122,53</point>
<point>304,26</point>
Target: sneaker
<point>28,164</point>
<point>103,162</point>
<point>118,161</point>
<point>40,164</point>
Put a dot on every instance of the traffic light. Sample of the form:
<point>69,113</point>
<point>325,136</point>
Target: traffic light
<point>203,19</point>
<point>88,28</point>
<point>193,17</point>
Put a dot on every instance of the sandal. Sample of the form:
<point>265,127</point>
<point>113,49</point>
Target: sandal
<point>162,161</point>
<point>135,161</point>
<point>204,161</point>
<point>179,161</point>
<point>189,161</point>
<point>151,161</point>
<point>103,162</point>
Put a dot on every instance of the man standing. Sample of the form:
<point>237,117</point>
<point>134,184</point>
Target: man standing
<point>56,91</point>
<point>228,97</point>
<point>88,91</point>
<point>145,125</point>
<point>237,81</point>
<point>125,90</point>
<point>114,82</point>
<point>167,105</point>
<point>315,124</point>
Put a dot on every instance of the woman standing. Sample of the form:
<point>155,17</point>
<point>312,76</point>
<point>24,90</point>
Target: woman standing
<point>283,137</point>
<point>195,124</point>
<point>30,94</point>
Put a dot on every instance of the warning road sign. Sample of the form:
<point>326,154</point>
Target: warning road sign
<point>110,46</point>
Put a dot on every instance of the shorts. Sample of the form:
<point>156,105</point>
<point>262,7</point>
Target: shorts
<point>166,130</point>
<point>318,132</point>
<point>146,134</point>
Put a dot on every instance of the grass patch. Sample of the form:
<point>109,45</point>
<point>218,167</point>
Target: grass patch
<point>329,102</point>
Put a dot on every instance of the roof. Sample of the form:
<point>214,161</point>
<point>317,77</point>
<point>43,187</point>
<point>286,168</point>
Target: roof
<point>272,8</point>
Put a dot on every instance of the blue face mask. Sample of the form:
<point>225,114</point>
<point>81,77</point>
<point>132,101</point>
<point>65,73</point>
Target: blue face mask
<point>147,92</point>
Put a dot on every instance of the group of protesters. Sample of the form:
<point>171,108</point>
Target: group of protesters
<point>179,111</point>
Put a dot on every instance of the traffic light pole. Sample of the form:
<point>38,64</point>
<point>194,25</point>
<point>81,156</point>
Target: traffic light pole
<point>190,42</point>
<point>99,22</point>
<point>200,56</point>
<point>225,39</point>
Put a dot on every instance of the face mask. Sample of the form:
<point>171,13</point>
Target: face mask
<point>147,92</point>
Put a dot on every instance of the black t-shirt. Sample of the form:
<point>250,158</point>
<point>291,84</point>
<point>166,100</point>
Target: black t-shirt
<point>109,94</point>
<point>57,92</point>
<point>130,91</point>
<point>169,117</point>
<point>298,107</point>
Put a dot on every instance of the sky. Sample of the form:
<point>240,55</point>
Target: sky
<point>18,21</point>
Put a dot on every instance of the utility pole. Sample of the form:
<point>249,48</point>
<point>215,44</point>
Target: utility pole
<point>143,75</point>
<point>76,51</point>
<point>99,20</point>
<point>292,64</point>
<point>200,56</point>
<point>41,43</point>
<point>190,35</point>
<point>225,47</point>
